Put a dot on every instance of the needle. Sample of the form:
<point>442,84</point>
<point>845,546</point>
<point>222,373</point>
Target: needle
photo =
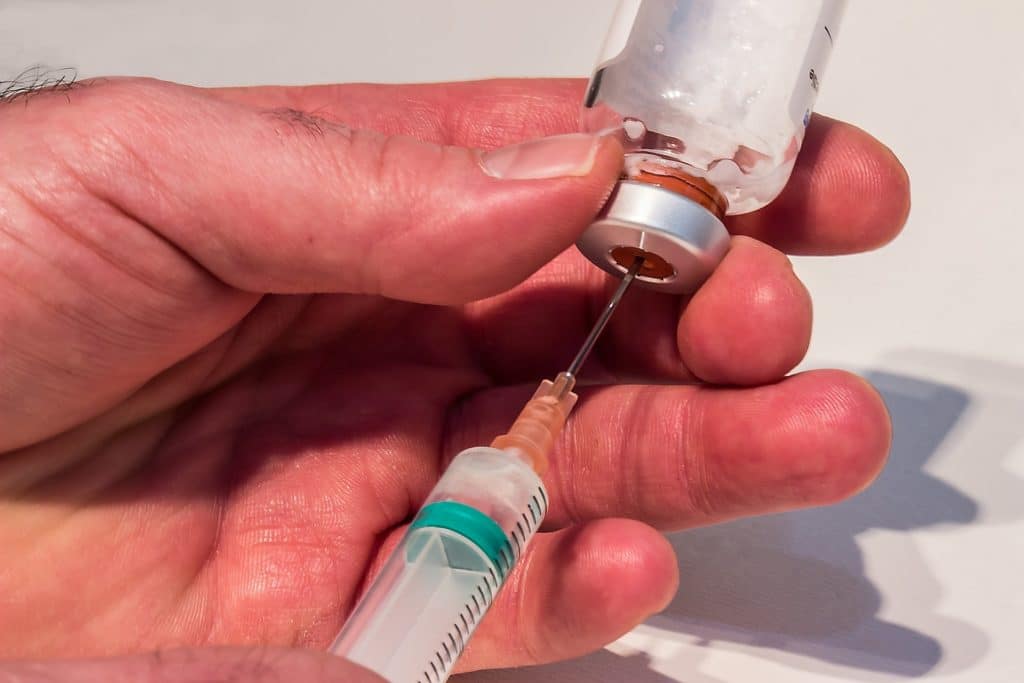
<point>534,432</point>
<point>606,315</point>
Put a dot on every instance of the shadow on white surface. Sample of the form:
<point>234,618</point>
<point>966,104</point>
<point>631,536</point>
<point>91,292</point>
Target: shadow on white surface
<point>796,583</point>
<point>844,591</point>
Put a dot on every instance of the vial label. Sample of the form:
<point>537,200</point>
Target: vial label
<point>813,68</point>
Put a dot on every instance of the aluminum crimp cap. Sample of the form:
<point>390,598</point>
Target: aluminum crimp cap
<point>640,218</point>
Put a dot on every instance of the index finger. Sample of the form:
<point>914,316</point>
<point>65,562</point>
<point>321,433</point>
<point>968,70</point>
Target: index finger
<point>848,192</point>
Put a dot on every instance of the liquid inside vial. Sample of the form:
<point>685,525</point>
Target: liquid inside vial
<point>715,94</point>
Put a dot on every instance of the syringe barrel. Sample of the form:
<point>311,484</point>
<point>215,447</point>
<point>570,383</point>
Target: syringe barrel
<point>415,621</point>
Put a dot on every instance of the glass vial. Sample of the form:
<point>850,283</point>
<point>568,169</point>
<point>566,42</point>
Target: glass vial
<point>711,99</point>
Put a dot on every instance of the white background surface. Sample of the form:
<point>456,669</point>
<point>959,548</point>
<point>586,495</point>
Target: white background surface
<point>918,577</point>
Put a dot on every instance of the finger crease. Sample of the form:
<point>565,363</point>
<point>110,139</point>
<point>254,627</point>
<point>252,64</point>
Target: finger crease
<point>692,469</point>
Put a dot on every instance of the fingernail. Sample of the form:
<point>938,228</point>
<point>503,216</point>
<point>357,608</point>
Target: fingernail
<point>555,157</point>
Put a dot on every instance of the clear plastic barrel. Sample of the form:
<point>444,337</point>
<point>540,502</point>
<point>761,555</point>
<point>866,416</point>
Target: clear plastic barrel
<point>429,598</point>
<point>422,609</point>
<point>720,90</point>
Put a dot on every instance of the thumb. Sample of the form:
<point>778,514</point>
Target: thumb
<point>194,666</point>
<point>280,201</point>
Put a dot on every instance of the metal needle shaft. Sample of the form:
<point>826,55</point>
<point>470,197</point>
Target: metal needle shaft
<point>602,321</point>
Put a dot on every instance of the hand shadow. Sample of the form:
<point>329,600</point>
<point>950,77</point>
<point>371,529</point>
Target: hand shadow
<point>795,587</point>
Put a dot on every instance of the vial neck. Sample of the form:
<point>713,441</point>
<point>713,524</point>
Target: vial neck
<point>648,170</point>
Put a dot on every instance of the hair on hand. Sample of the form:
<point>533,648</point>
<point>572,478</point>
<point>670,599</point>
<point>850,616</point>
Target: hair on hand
<point>37,79</point>
<point>309,122</point>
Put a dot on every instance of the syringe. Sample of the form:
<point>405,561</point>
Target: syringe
<point>418,616</point>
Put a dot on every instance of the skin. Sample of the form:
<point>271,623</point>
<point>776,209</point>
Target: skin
<point>242,331</point>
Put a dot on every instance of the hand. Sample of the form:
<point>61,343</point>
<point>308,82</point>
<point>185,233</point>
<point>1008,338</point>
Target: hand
<point>241,336</point>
